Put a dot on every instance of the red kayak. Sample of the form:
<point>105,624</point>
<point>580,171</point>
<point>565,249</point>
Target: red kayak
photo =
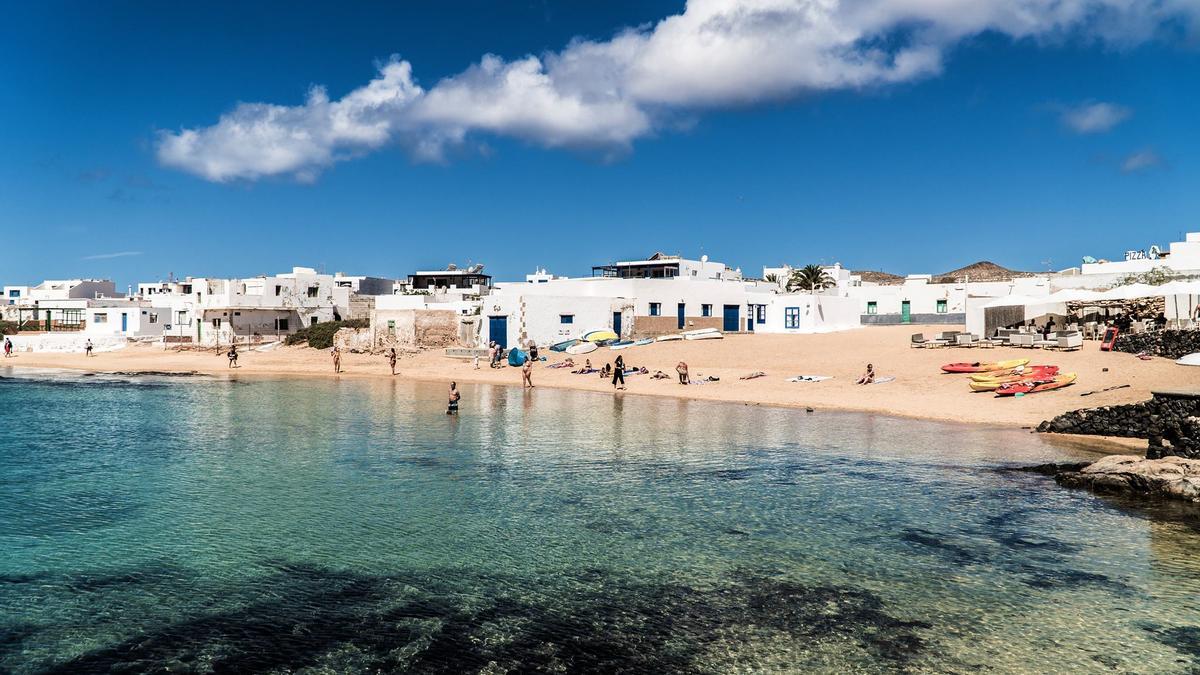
<point>983,367</point>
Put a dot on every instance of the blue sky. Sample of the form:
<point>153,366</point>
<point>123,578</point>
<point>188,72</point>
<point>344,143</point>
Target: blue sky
<point>924,143</point>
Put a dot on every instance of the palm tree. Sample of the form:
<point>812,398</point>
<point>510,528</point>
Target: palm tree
<point>810,278</point>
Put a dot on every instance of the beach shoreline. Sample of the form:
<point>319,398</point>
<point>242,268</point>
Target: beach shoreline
<point>920,390</point>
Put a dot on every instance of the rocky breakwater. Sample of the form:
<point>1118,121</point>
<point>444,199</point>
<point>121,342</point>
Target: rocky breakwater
<point>1170,344</point>
<point>1169,421</point>
<point>1170,477</point>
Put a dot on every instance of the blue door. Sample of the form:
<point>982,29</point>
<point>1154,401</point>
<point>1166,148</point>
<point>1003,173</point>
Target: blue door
<point>124,322</point>
<point>498,330</point>
<point>732,318</point>
<point>679,313</point>
<point>617,323</point>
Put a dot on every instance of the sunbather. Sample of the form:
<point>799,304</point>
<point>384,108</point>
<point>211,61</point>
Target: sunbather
<point>754,375</point>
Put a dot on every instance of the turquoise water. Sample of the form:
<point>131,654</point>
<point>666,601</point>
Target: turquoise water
<point>195,525</point>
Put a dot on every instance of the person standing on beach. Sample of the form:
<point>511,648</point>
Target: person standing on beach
<point>491,355</point>
<point>392,359</point>
<point>452,408</point>
<point>337,359</point>
<point>527,374</point>
<point>476,359</point>
<point>87,348</point>
<point>7,348</point>
<point>619,372</point>
<point>233,354</point>
<point>682,369</point>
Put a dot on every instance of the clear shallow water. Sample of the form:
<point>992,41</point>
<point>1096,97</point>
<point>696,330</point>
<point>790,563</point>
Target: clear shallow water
<point>268,525</point>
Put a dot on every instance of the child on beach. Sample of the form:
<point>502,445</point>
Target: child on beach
<point>869,376</point>
<point>7,348</point>
<point>337,359</point>
<point>232,354</point>
<point>392,359</point>
<point>452,408</point>
<point>476,359</point>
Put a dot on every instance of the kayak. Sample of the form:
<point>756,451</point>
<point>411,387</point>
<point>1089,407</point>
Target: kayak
<point>996,384</point>
<point>601,336</point>
<point>562,346</point>
<point>622,344</point>
<point>1014,374</point>
<point>582,348</point>
<point>668,338</point>
<point>983,367</point>
<point>713,335</point>
<point>1034,386</point>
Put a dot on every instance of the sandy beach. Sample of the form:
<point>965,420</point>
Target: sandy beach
<point>920,389</point>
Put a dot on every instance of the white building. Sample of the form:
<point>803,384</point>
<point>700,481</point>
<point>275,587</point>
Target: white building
<point>656,296</point>
<point>216,311</point>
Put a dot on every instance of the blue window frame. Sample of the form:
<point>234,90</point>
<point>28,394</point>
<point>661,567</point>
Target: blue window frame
<point>791,317</point>
<point>566,318</point>
<point>13,293</point>
<point>655,308</point>
<point>705,310</point>
<point>761,314</point>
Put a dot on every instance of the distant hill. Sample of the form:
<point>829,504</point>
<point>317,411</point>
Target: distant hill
<point>983,270</point>
<point>882,278</point>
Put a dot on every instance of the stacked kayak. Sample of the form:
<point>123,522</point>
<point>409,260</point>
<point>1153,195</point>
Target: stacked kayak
<point>993,381</point>
<point>984,367</point>
<point>1035,386</point>
<point>583,348</point>
<point>564,345</point>
<point>630,343</point>
<point>601,336</point>
<point>703,334</point>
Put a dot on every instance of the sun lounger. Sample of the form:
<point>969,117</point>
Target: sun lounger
<point>1069,341</point>
<point>1021,340</point>
<point>918,340</point>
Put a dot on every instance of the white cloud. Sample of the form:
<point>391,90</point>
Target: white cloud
<point>1095,117</point>
<point>606,94</point>
<point>1142,160</point>
<point>107,256</point>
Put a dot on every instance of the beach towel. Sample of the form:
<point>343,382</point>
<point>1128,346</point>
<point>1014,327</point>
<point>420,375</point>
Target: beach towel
<point>883,380</point>
<point>585,371</point>
<point>564,364</point>
<point>810,378</point>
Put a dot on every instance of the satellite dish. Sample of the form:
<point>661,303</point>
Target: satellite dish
<point>704,258</point>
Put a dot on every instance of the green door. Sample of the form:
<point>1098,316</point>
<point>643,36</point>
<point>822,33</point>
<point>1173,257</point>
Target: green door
<point>905,312</point>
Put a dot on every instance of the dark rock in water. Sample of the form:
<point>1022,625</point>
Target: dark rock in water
<point>1050,469</point>
<point>1170,421</point>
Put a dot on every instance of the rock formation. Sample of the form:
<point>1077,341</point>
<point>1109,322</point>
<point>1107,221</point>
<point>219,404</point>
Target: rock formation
<point>1171,477</point>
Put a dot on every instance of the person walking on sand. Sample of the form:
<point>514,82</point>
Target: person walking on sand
<point>7,348</point>
<point>527,374</point>
<point>682,369</point>
<point>869,376</point>
<point>337,359</point>
<point>87,347</point>
<point>392,359</point>
<point>476,359</point>
<point>452,407</point>
<point>232,354</point>
<point>619,372</point>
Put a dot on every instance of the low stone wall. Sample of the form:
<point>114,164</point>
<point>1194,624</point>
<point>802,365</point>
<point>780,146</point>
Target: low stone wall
<point>1171,344</point>
<point>1170,421</point>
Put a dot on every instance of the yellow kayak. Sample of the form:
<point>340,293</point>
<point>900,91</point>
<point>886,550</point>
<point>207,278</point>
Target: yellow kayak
<point>600,336</point>
<point>1013,374</point>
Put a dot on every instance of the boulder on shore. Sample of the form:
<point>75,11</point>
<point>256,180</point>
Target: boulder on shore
<point>1171,477</point>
